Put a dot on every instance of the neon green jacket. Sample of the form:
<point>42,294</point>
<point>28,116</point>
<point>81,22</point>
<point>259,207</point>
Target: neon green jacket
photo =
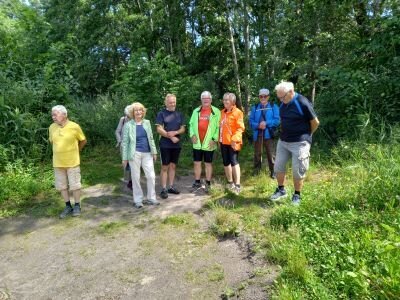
<point>212,130</point>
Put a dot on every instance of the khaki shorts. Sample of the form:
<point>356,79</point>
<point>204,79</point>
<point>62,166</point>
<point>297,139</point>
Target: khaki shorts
<point>68,176</point>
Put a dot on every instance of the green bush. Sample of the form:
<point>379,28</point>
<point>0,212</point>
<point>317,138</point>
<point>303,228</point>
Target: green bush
<point>19,185</point>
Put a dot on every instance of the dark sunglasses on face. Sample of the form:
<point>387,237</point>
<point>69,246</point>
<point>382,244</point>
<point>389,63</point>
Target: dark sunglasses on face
<point>262,96</point>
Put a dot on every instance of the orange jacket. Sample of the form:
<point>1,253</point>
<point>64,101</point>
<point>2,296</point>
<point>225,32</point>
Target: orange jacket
<point>231,127</point>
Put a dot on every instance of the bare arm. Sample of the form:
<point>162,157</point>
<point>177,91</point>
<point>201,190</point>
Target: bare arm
<point>314,125</point>
<point>81,144</point>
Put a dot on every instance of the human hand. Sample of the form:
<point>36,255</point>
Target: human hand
<point>154,157</point>
<point>262,125</point>
<point>124,164</point>
<point>174,139</point>
<point>194,139</point>
<point>233,145</point>
<point>171,134</point>
<point>211,144</point>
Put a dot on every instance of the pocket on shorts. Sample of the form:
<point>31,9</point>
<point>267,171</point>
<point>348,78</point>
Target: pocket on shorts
<point>304,159</point>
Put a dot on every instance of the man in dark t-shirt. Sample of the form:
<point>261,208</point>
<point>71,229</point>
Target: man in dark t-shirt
<point>298,122</point>
<point>170,125</point>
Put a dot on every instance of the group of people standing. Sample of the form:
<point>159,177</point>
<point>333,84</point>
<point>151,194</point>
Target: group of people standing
<point>209,128</point>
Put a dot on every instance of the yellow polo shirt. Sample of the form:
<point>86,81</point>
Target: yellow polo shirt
<point>65,144</point>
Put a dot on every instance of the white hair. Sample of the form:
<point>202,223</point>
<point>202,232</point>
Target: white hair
<point>127,110</point>
<point>205,94</point>
<point>284,86</point>
<point>60,108</point>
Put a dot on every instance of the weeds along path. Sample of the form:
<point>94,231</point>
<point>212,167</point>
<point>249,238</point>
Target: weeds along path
<point>114,251</point>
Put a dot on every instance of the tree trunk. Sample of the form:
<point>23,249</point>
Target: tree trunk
<point>234,58</point>
<point>246,33</point>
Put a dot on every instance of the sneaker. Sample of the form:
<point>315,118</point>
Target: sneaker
<point>236,190</point>
<point>173,190</point>
<point>67,211</point>
<point>278,194</point>
<point>76,212</point>
<point>138,205</point>
<point>296,200</point>
<point>196,186</point>
<point>164,194</point>
<point>151,202</point>
<point>230,186</point>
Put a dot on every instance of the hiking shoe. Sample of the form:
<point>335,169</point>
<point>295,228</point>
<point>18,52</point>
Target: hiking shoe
<point>173,190</point>
<point>196,186</point>
<point>236,190</point>
<point>76,212</point>
<point>138,205</point>
<point>278,194</point>
<point>230,186</point>
<point>164,194</point>
<point>296,200</point>
<point>151,202</point>
<point>67,211</point>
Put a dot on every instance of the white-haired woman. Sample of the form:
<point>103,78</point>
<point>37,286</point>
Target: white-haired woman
<point>139,149</point>
<point>118,134</point>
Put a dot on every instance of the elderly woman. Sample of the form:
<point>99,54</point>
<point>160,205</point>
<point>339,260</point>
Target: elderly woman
<point>118,135</point>
<point>139,149</point>
<point>230,138</point>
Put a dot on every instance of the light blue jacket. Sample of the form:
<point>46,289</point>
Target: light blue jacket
<point>129,139</point>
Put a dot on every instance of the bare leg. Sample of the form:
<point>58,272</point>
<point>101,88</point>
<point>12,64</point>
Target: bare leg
<point>197,170</point>
<point>209,170</point>
<point>228,173</point>
<point>298,184</point>
<point>65,195</point>
<point>164,176</point>
<point>171,173</point>
<point>280,178</point>
<point>77,195</point>
<point>236,173</point>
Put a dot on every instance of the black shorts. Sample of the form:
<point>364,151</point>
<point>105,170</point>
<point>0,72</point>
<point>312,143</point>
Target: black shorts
<point>169,155</point>
<point>198,155</point>
<point>229,156</point>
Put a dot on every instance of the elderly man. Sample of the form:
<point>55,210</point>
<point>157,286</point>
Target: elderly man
<point>170,125</point>
<point>298,123</point>
<point>264,119</point>
<point>203,131</point>
<point>68,140</point>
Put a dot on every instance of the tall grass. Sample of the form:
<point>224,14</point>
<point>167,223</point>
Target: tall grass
<point>348,229</point>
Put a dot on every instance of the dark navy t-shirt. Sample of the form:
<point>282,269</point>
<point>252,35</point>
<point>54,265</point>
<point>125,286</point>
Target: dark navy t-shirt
<point>142,142</point>
<point>171,121</point>
<point>296,127</point>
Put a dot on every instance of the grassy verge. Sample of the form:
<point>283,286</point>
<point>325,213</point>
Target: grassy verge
<point>343,241</point>
<point>29,188</point>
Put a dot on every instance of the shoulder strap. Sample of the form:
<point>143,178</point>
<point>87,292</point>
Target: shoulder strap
<point>298,104</point>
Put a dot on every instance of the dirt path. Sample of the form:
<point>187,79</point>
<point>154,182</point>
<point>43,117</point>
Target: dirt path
<point>114,251</point>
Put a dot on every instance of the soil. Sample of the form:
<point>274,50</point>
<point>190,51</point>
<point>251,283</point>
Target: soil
<point>115,251</point>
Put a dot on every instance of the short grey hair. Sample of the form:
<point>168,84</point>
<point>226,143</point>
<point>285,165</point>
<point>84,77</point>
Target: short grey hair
<point>205,94</point>
<point>284,86</point>
<point>128,110</point>
<point>60,108</point>
<point>231,97</point>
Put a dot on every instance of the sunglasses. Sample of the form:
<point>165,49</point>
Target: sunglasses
<point>263,96</point>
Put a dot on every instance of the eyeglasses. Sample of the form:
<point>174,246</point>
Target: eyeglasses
<point>263,96</point>
<point>283,98</point>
